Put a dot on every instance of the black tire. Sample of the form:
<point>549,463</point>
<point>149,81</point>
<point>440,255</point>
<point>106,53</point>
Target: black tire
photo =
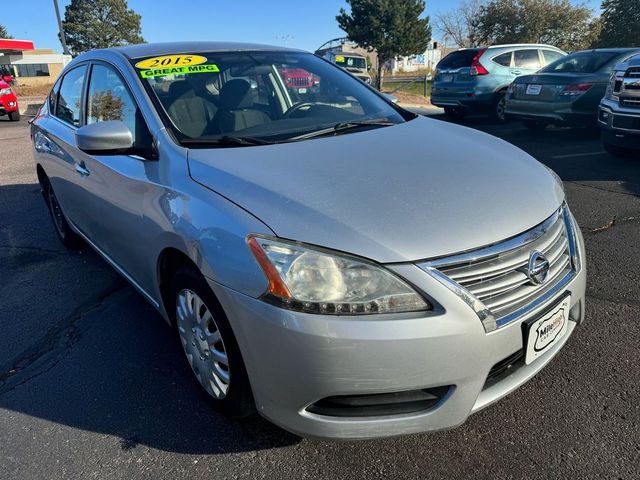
<point>14,116</point>
<point>498,108</point>
<point>66,235</point>
<point>454,113</point>
<point>535,125</point>
<point>616,151</point>
<point>238,401</point>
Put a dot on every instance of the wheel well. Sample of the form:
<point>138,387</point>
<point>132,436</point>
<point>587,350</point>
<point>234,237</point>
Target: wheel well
<point>169,262</point>
<point>42,177</point>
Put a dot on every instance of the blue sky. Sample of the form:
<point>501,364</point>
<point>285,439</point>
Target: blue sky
<point>298,23</point>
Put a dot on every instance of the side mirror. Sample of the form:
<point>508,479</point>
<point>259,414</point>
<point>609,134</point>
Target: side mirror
<point>391,98</point>
<point>104,138</point>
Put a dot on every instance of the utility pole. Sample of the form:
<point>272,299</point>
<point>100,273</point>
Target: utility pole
<point>63,40</point>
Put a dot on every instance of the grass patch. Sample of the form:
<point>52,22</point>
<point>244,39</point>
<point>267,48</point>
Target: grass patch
<point>416,88</point>
<point>32,90</point>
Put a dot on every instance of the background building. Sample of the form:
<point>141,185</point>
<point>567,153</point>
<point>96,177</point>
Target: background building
<point>426,60</point>
<point>28,65</point>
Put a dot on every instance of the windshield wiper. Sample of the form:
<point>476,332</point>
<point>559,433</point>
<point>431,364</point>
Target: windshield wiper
<point>342,127</point>
<point>226,141</point>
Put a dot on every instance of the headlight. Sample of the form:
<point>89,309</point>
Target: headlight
<point>314,280</point>
<point>613,87</point>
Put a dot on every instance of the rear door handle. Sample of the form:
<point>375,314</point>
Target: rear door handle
<point>516,72</point>
<point>82,170</point>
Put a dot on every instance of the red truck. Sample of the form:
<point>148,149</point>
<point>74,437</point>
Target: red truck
<point>8,102</point>
<point>299,78</point>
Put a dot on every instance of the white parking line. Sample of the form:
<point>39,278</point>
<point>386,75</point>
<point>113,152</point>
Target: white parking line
<point>571,155</point>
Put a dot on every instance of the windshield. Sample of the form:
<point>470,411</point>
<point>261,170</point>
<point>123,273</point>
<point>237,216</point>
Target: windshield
<point>581,62</point>
<point>351,62</point>
<point>267,96</point>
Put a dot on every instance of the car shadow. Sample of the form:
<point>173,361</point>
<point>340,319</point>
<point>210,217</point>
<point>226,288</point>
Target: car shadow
<point>107,363</point>
<point>575,154</point>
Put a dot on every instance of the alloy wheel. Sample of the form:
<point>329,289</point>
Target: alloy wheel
<point>203,344</point>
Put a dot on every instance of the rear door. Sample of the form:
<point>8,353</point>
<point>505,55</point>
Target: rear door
<point>526,62</point>
<point>55,143</point>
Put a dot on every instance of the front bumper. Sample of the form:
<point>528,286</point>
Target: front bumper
<point>8,105</point>
<point>620,127</point>
<point>295,359</point>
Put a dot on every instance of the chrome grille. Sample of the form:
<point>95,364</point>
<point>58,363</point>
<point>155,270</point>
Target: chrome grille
<point>633,72</point>
<point>496,276</point>
<point>630,102</point>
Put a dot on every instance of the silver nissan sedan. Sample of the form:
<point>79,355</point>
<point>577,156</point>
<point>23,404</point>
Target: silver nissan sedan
<point>343,267</point>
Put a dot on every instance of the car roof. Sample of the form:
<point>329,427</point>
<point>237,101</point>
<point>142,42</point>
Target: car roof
<point>171,48</point>
<point>610,50</point>
<point>520,45</point>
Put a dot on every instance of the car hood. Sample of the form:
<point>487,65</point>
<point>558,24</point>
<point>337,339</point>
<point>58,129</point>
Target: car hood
<point>412,191</point>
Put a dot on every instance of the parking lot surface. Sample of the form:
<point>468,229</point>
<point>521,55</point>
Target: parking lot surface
<point>92,383</point>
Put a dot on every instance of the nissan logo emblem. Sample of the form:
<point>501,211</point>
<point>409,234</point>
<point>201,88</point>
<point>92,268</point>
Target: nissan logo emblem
<point>538,268</point>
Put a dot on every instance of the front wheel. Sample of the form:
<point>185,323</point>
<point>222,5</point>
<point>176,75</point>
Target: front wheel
<point>209,345</point>
<point>14,116</point>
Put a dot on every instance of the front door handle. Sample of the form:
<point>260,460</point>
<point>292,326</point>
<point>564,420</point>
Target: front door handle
<point>516,72</point>
<point>82,170</point>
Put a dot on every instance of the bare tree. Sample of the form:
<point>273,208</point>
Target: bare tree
<point>460,24</point>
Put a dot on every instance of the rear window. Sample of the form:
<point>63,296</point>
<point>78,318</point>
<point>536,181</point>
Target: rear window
<point>504,59</point>
<point>459,59</point>
<point>582,62</point>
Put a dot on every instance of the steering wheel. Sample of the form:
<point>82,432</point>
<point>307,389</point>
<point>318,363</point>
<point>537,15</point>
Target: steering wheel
<point>297,107</point>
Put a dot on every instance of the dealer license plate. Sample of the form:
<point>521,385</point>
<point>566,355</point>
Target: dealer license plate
<point>533,89</point>
<point>546,332</point>
<point>447,78</point>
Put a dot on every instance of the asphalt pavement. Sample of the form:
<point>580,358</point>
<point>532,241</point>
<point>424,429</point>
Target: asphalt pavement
<point>92,383</point>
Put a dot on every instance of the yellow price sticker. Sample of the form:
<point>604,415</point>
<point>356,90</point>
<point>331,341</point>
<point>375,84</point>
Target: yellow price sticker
<point>339,59</point>
<point>171,61</point>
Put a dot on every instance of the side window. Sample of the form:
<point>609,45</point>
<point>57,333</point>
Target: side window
<point>53,94</point>
<point>504,59</point>
<point>70,96</point>
<point>526,59</point>
<point>551,56</point>
<point>109,98</point>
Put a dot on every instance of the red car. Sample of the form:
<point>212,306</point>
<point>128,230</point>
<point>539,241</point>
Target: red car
<point>8,102</point>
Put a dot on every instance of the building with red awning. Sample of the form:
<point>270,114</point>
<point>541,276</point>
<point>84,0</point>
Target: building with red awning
<point>28,65</point>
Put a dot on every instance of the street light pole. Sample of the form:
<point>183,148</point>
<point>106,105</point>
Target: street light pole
<point>63,40</point>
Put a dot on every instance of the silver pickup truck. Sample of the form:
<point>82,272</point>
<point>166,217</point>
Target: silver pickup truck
<point>619,112</point>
